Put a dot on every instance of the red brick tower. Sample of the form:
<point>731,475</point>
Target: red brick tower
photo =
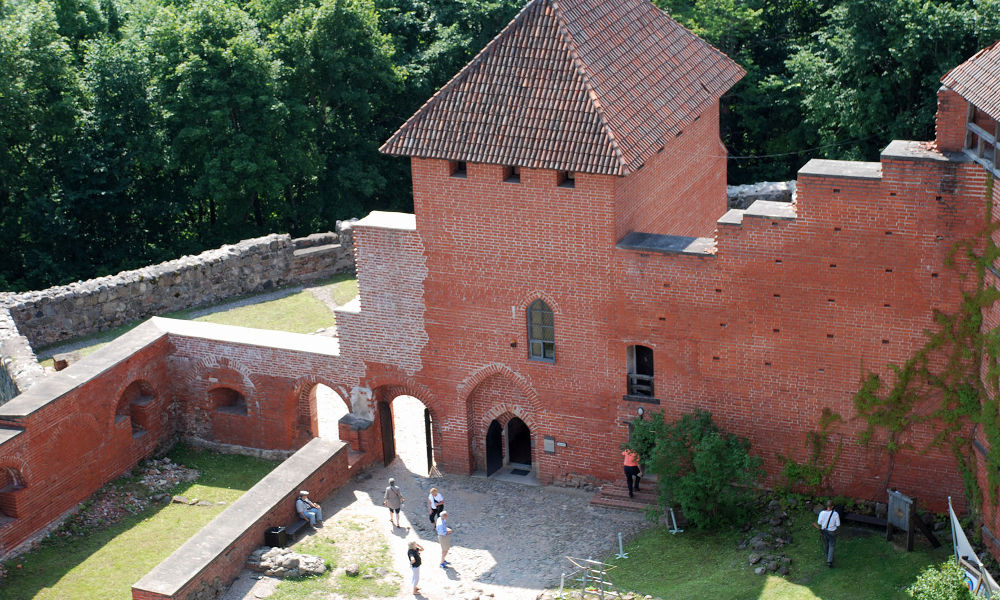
<point>581,124</point>
<point>571,260</point>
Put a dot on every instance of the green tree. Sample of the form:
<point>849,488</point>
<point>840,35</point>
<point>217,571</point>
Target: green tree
<point>340,80</point>
<point>40,103</point>
<point>708,473</point>
<point>217,86</point>
<point>872,73</point>
<point>125,215</point>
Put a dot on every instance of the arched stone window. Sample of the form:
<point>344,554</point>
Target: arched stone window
<point>541,332</point>
<point>228,400</point>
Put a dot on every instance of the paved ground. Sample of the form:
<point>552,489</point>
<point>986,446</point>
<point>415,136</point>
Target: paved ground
<point>509,539</point>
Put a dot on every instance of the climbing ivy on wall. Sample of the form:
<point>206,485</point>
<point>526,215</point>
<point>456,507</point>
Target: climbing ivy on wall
<point>815,472</point>
<point>950,383</point>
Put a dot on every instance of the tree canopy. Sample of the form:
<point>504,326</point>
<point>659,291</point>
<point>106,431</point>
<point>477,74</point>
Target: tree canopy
<point>133,131</point>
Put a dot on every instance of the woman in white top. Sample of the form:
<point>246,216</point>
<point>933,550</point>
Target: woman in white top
<point>435,504</point>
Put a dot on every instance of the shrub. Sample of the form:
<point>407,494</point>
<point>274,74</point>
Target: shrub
<point>943,582</point>
<point>705,471</point>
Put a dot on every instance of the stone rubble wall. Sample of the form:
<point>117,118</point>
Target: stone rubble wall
<point>41,318</point>
<point>742,196</point>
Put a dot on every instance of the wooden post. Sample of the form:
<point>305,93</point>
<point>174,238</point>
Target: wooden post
<point>910,527</point>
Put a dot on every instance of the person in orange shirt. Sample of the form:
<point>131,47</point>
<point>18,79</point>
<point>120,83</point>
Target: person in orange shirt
<point>632,470</point>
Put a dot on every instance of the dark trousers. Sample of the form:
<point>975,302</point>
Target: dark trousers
<point>434,514</point>
<point>829,541</point>
<point>631,472</point>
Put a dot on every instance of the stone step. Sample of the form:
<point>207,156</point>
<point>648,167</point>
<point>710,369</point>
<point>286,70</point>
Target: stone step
<point>625,503</point>
<point>646,494</point>
<point>615,495</point>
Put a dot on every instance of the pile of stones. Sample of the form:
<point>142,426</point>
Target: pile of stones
<point>576,594</point>
<point>163,473</point>
<point>577,480</point>
<point>464,592</point>
<point>107,508</point>
<point>766,538</point>
<point>284,563</point>
<point>742,196</point>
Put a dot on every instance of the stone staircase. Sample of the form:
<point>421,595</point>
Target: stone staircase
<point>615,495</point>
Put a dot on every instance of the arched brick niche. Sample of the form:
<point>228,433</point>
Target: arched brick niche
<point>229,416</point>
<point>501,396</point>
<point>133,407</point>
<point>11,485</point>
<point>227,400</point>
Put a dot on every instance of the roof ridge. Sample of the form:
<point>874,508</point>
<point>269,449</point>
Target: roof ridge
<point>461,75</point>
<point>581,68</point>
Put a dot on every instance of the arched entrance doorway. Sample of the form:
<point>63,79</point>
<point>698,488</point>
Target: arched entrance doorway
<point>518,442</point>
<point>407,428</point>
<point>330,408</point>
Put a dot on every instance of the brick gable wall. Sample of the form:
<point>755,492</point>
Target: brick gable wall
<point>682,189</point>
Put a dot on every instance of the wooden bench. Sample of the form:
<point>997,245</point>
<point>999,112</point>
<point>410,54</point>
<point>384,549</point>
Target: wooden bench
<point>293,529</point>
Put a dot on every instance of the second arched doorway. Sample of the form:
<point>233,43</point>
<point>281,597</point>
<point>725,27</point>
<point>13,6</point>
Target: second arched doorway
<point>516,436</point>
<point>518,443</point>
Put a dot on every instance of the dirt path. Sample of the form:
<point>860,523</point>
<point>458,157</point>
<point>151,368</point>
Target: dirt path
<point>510,540</point>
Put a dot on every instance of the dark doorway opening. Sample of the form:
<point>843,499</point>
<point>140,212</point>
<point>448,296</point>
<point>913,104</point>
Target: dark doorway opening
<point>388,442</point>
<point>518,442</point>
<point>494,448</point>
<point>429,438</point>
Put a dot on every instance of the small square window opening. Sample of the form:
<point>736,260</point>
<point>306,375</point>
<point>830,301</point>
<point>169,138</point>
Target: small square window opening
<point>512,174</point>
<point>457,168</point>
<point>567,179</point>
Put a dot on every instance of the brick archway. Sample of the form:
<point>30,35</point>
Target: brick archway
<point>11,483</point>
<point>385,391</point>
<point>498,393</point>
<point>307,413</point>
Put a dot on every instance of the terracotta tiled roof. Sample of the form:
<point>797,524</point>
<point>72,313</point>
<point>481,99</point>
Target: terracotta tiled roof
<point>594,86</point>
<point>978,80</point>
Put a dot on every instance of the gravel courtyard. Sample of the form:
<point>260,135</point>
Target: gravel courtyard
<point>510,540</point>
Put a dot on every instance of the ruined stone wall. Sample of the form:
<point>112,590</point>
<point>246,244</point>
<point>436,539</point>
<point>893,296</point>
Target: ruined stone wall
<point>41,318</point>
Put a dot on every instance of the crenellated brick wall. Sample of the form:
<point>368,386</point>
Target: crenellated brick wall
<point>771,321</point>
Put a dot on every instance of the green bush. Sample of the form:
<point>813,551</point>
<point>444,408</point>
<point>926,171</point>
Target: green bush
<point>705,471</point>
<point>943,582</point>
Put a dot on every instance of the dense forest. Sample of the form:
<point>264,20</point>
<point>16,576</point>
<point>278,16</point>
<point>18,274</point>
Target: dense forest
<point>135,131</point>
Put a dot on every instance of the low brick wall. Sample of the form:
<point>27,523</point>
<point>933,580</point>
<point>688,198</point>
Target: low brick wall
<point>207,563</point>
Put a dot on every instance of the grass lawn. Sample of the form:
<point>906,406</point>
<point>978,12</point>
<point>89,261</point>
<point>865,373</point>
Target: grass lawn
<point>301,312</point>
<point>298,312</point>
<point>367,549</point>
<point>694,565</point>
<point>104,564</point>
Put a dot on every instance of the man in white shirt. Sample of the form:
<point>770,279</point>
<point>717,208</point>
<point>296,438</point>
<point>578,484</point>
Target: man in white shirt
<point>828,522</point>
